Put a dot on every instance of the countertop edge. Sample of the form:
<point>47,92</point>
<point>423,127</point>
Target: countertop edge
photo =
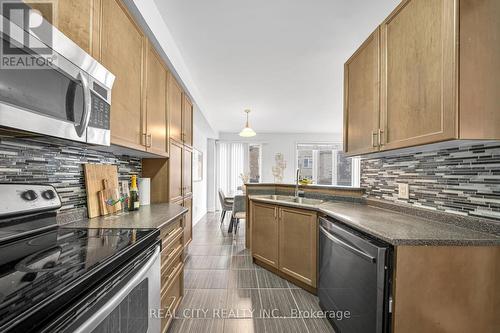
<point>392,241</point>
<point>172,219</point>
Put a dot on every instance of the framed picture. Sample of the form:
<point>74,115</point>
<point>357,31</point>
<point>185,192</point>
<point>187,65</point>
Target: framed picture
<point>197,165</point>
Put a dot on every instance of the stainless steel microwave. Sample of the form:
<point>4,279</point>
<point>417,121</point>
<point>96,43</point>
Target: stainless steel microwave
<point>68,96</point>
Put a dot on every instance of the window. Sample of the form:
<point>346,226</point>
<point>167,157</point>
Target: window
<point>254,159</point>
<point>326,164</point>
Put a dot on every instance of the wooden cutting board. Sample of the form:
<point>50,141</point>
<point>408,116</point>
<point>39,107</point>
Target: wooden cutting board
<point>111,194</point>
<point>95,174</point>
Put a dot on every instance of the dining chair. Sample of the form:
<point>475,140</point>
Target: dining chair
<point>226,205</point>
<point>238,213</point>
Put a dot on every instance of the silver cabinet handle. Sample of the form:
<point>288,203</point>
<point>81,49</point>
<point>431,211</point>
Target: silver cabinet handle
<point>347,246</point>
<point>380,137</point>
<point>374,143</point>
<point>87,103</point>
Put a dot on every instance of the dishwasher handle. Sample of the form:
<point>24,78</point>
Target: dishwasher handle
<point>347,246</point>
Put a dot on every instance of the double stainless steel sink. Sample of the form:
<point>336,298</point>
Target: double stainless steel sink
<point>299,200</point>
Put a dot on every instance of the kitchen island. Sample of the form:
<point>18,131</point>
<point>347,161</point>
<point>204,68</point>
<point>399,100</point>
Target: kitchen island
<point>442,276</point>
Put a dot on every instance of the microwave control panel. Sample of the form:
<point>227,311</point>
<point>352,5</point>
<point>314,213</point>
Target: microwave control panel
<point>100,115</point>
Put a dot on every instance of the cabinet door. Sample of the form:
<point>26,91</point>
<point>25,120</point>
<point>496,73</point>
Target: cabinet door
<point>265,233</point>
<point>362,98</point>
<point>187,171</point>
<point>175,108</point>
<point>419,74</point>
<point>175,172</point>
<point>187,120</point>
<point>188,221</point>
<point>73,18</point>
<point>122,52</point>
<point>297,244</point>
<point>156,89</point>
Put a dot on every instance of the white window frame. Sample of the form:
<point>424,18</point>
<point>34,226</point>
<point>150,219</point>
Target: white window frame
<point>356,163</point>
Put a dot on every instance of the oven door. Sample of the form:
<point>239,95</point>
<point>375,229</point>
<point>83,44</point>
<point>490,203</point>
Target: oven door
<point>54,100</point>
<point>129,308</point>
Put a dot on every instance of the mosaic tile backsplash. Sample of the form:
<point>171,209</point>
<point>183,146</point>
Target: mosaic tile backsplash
<point>464,180</point>
<point>59,163</point>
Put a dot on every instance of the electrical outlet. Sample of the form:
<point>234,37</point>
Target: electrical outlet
<point>403,191</point>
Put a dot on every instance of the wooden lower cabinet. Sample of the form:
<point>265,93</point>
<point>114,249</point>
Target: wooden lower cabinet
<point>265,233</point>
<point>446,289</point>
<point>298,239</point>
<point>172,270</point>
<point>286,239</point>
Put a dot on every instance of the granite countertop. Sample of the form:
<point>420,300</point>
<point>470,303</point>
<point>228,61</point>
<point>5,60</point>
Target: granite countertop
<point>150,216</point>
<point>394,227</point>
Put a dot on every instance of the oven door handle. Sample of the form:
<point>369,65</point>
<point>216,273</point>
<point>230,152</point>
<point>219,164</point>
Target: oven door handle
<point>87,105</point>
<point>347,246</point>
<point>101,314</point>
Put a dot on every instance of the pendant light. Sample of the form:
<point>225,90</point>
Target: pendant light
<point>247,132</point>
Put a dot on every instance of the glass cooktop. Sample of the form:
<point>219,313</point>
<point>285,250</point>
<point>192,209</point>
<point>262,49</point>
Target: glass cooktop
<point>38,269</point>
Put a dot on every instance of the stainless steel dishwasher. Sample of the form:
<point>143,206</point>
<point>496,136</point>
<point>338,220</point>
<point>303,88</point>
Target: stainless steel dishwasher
<point>354,279</point>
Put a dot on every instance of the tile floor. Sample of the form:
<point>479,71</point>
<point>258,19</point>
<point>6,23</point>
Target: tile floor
<point>226,292</point>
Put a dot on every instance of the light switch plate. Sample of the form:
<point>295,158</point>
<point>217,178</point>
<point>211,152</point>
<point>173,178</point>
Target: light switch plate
<point>403,191</point>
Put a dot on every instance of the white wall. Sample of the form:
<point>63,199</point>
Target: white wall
<point>284,143</point>
<point>201,133</point>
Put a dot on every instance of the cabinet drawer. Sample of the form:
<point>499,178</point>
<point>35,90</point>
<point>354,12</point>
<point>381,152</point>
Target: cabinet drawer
<point>172,238</point>
<point>167,232</point>
<point>170,253</point>
<point>169,271</point>
<point>171,297</point>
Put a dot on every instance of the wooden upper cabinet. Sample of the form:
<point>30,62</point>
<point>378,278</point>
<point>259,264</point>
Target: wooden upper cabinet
<point>175,108</point>
<point>77,19</point>
<point>122,51</point>
<point>419,80</point>
<point>175,173</point>
<point>362,97</point>
<point>187,120</point>
<point>298,238</point>
<point>479,69</point>
<point>425,47</point>
<point>187,171</point>
<point>265,233</point>
<point>156,104</point>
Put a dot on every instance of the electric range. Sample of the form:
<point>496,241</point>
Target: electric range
<point>54,278</point>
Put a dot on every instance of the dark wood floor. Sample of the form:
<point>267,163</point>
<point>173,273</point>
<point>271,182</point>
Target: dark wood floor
<point>226,292</point>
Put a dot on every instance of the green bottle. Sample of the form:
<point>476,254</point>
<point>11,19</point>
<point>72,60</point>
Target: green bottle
<point>134,194</point>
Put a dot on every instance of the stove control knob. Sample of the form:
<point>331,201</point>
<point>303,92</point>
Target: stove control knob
<point>29,195</point>
<point>49,194</point>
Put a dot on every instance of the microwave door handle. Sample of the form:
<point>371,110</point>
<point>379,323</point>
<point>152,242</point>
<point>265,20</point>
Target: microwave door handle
<point>87,105</point>
<point>347,246</point>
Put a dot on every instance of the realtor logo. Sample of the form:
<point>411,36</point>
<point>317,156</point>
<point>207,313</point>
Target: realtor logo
<point>27,34</point>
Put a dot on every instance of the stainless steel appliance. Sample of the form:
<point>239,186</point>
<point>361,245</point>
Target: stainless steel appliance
<point>68,279</point>
<point>354,278</point>
<point>69,98</point>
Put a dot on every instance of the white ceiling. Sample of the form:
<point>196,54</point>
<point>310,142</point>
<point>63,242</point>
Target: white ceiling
<point>283,59</point>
